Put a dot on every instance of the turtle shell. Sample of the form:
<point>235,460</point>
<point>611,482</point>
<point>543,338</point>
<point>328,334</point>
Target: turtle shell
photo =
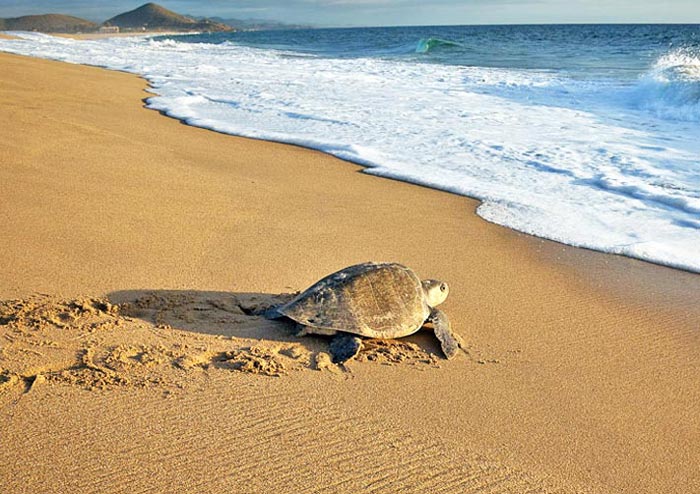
<point>374,300</point>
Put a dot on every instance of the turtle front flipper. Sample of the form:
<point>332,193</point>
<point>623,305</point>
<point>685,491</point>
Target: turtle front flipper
<point>345,346</point>
<point>449,340</point>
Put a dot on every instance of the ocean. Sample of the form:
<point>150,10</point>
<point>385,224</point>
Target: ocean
<point>583,134</point>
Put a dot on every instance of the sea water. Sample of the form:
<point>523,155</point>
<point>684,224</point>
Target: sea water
<point>588,135</point>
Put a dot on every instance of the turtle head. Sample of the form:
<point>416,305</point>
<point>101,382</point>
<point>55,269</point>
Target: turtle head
<point>435,292</point>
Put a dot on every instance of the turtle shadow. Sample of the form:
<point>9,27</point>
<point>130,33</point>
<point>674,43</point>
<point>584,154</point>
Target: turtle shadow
<point>238,316</point>
<point>224,314</point>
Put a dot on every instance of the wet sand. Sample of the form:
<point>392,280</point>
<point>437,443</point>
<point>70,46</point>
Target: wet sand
<point>136,251</point>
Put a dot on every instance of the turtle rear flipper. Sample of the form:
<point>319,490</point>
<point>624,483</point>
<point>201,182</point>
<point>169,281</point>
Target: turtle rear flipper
<point>344,346</point>
<point>449,340</point>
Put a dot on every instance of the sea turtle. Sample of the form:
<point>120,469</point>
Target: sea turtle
<point>376,300</point>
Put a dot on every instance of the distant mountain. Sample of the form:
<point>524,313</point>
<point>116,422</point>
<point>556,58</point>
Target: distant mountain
<point>153,17</point>
<point>47,23</point>
<point>257,24</point>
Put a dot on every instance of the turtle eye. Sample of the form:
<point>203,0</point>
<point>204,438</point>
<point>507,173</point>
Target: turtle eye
<point>443,287</point>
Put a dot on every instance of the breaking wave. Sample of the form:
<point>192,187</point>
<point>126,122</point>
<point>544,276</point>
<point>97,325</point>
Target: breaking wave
<point>671,88</point>
<point>427,45</point>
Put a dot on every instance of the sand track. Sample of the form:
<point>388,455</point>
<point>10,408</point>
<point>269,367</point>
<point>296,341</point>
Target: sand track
<point>162,338</point>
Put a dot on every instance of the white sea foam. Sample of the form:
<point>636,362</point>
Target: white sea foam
<point>603,165</point>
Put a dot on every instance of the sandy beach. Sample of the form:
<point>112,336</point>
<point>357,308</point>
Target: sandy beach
<point>127,34</point>
<point>135,252</point>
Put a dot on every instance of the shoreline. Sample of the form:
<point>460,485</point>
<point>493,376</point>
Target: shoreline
<point>662,259</point>
<point>572,382</point>
<point>553,243</point>
<point>556,252</point>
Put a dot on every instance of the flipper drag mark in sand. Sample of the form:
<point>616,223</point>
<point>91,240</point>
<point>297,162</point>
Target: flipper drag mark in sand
<point>166,339</point>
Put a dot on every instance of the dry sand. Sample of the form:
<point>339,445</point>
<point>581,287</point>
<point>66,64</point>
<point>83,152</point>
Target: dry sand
<point>135,250</point>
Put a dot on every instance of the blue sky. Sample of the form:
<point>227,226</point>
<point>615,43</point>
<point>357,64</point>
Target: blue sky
<point>387,12</point>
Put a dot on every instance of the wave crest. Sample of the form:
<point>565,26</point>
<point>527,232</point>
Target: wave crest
<point>168,44</point>
<point>671,88</point>
<point>426,45</point>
